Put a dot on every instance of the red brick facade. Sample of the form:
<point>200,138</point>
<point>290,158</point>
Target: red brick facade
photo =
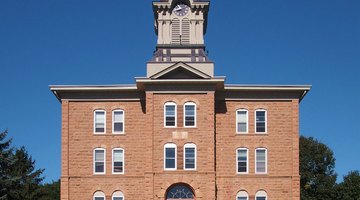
<point>215,135</point>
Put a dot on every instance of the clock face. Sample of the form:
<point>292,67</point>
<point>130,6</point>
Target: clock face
<point>181,10</point>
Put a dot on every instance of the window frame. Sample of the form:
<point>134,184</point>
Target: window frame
<point>113,122</point>
<point>242,193</point>
<point>190,145</point>
<point>261,193</point>
<point>266,119</point>
<point>247,121</point>
<point>247,160</point>
<point>123,161</point>
<point>184,114</point>
<point>94,161</point>
<point>99,194</point>
<point>170,145</point>
<point>170,104</point>
<point>266,160</point>
<point>94,128</point>
<point>117,194</point>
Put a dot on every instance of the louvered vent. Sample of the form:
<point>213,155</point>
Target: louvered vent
<point>175,31</point>
<point>185,36</point>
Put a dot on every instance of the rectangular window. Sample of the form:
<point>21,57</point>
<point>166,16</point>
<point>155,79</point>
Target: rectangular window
<point>260,121</point>
<point>242,161</point>
<point>99,159</point>
<point>170,157</point>
<point>261,161</point>
<point>242,121</point>
<point>99,121</point>
<point>189,115</point>
<point>99,198</point>
<point>190,157</point>
<point>118,121</point>
<point>117,198</point>
<point>170,115</point>
<point>118,161</point>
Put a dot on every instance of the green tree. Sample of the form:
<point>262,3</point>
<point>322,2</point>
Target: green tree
<point>27,186</point>
<point>349,189</point>
<point>317,163</point>
<point>7,161</point>
<point>51,191</point>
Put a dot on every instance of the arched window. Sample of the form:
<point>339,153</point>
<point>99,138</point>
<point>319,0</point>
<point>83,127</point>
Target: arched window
<point>189,114</point>
<point>99,161</point>
<point>118,161</point>
<point>180,191</point>
<point>261,195</point>
<point>242,195</point>
<point>242,124</point>
<point>190,156</point>
<point>260,121</point>
<point>99,195</point>
<point>118,117</point>
<point>261,161</point>
<point>170,162</point>
<point>170,114</point>
<point>99,121</point>
<point>118,196</point>
<point>242,161</point>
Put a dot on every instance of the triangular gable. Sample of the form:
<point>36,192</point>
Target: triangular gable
<point>180,71</point>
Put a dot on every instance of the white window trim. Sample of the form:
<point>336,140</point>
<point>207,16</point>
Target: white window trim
<point>242,193</point>
<point>266,161</point>
<point>247,161</point>
<point>191,145</point>
<point>191,104</point>
<point>266,128</point>
<point>247,121</point>
<point>170,104</point>
<point>94,128</point>
<point>104,161</point>
<point>123,161</point>
<point>113,122</point>
<point>170,145</point>
<point>261,193</point>
<point>99,194</point>
<point>117,194</point>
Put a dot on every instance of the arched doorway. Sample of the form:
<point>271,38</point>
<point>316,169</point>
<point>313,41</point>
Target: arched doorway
<point>180,191</point>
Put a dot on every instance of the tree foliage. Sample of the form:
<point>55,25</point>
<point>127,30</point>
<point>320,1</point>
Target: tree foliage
<point>19,179</point>
<point>318,177</point>
<point>349,189</point>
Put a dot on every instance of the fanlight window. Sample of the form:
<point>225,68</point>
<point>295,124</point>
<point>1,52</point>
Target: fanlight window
<point>180,192</point>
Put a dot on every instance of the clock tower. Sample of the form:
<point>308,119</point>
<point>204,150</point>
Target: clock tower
<point>180,26</point>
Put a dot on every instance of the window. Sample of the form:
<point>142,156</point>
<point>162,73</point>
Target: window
<point>99,121</point>
<point>99,161</point>
<point>190,157</point>
<point>170,157</point>
<point>118,161</point>
<point>242,195</point>
<point>242,121</point>
<point>180,191</point>
<point>118,121</point>
<point>118,196</point>
<point>261,161</point>
<point>261,195</point>
<point>242,161</point>
<point>260,125</point>
<point>170,115</point>
<point>99,195</point>
<point>190,114</point>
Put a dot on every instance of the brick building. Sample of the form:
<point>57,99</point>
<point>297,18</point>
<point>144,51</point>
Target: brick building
<point>180,132</point>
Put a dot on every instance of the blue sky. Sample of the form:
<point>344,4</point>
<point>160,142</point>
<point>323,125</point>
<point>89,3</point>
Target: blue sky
<point>46,42</point>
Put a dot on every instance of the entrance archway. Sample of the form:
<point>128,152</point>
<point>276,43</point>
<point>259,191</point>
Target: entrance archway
<point>180,191</point>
